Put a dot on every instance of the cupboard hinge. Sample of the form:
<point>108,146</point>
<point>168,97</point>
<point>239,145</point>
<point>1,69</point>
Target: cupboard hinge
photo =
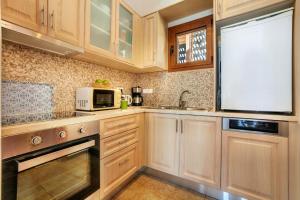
<point>212,59</point>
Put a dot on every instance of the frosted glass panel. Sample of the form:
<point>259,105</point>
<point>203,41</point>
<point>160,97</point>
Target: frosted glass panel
<point>125,33</point>
<point>191,46</point>
<point>101,23</point>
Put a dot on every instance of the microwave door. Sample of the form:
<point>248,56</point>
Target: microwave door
<point>103,98</point>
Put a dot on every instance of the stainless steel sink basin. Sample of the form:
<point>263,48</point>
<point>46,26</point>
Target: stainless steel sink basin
<point>195,108</point>
<point>177,108</point>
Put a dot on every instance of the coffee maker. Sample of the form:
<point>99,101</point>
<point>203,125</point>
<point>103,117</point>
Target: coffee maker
<point>137,99</point>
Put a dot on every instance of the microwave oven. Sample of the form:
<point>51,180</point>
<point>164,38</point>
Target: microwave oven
<point>93,99</point>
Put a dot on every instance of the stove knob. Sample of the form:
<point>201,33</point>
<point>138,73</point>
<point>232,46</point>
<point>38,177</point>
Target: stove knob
<point>62,134</point>
<point>36,140</point>
<point>82,130</point>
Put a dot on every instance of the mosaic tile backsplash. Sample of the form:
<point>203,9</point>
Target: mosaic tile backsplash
<point>64,75</point>
<point>167,88</point>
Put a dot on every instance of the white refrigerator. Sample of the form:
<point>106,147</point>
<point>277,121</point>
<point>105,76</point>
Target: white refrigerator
<point>256,64</point>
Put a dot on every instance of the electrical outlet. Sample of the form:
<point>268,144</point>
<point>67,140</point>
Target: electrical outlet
<point>147,91</point>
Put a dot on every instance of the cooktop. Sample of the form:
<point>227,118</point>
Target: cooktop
<point>7,120</point>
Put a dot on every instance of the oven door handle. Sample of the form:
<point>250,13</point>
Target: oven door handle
<point>54,155</point>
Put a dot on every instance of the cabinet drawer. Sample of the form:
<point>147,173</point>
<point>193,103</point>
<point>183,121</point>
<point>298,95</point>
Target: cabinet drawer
<point>115,143</point>
<point>117,168</point>
<point>113,126</point>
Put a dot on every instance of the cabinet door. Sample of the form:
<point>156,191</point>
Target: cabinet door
<point>117,168</point>
<point>230,8</point>
<point>163,154</point>
<point>155,41</point>
<point>150,29</point>
<point>66,20</point>
<point>255,166</point>
<point>100,26</point>
<point>31,14</point>
<point>124,30</point>
<point>200,149</point>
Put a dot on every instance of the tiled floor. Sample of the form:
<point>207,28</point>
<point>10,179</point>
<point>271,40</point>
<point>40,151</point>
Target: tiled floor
<point>145,187</point>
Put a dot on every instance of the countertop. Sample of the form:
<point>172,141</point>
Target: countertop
<point>98,115</point>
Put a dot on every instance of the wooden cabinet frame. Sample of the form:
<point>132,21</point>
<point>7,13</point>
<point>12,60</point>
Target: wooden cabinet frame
<point>190,26</point>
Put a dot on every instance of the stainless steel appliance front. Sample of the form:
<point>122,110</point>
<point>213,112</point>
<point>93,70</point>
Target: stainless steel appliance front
<point>61,164</point>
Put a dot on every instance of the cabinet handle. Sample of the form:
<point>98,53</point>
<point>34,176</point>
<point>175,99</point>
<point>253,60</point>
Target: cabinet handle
<point>122,142</point>
<point>181,126</point>
<point>122,163</point>
<point>43,16</point>
<point>52,19</point>
<point>176,125</point>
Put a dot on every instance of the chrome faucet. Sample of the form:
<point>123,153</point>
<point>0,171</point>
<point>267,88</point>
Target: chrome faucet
<point>182,104</point>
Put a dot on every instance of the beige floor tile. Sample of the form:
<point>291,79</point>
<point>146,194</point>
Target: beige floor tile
<point>149,188</point>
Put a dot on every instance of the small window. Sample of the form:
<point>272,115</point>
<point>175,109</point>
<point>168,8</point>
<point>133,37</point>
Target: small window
<point>191,45</point>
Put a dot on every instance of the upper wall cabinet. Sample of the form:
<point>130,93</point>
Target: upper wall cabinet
<point>112,34</point>
<point>31,14</point>
<point>60,19</point>
<point>230,8</point>
<point>66,20</point>
<point>155,42</point>
<point>124,31</point>
<point>99,27</point>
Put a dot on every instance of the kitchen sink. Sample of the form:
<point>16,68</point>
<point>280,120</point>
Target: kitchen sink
<point>178,108</point>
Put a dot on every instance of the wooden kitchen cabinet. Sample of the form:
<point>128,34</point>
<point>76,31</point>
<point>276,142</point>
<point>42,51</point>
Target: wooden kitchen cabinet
<point>31,14</point>
<point>200,149</point>
<point>155,42</point>
<point>117,168</point>
<point>116,125</point>
<point>163,142</point>
<point>66,20</point>
<point>112,35</point>
<point>115,143</point>
<point>100,26</point>
<point>255,166</point>
<point>121,151</point>
<point>60,19</point>
<point>230,8</point>
<point>124,31</point>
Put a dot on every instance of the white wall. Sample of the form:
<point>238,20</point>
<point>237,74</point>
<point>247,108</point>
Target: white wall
<point>195,16</point>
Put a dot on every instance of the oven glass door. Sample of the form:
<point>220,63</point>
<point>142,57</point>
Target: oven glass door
<point>58,179</point>
<point>68,173</point>
<point>103,98</point>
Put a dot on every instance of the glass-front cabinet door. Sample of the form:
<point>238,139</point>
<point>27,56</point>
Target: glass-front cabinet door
<point>124,32</point>
<point>100,22</point>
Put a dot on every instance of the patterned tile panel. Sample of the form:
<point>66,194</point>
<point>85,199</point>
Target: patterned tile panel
<point>19,98</point>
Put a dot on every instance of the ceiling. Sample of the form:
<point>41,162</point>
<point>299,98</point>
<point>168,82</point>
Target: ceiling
<point>185,8</point>
<point>146,7</point>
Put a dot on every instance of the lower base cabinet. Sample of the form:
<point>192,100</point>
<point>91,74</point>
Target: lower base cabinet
<point>200,150</point>
<point>185,146</point>
<point>255,166</point>
<point>163,143</point>
<point>115,169</point>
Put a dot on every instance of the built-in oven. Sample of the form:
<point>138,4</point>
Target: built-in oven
<point>67,170</point>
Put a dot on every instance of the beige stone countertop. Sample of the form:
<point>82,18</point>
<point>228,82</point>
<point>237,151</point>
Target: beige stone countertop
<point>98,115</point>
